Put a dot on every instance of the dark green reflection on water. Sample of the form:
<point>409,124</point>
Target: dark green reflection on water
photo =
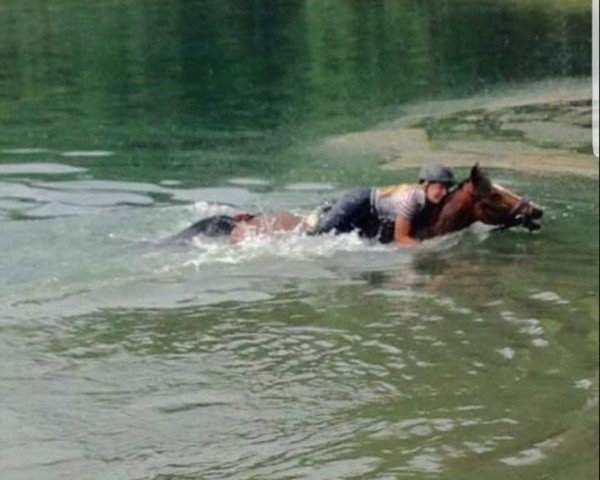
<point>199,91</point>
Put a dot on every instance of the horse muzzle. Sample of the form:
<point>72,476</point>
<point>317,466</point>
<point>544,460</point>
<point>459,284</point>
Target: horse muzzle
<point>530,216</point>
<point>526,214</point>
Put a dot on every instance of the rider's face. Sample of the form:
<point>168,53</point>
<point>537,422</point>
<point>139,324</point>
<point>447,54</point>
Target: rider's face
<point>435,192</point>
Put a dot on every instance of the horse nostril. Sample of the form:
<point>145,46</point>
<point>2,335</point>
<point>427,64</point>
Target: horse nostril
<point>535,212</point>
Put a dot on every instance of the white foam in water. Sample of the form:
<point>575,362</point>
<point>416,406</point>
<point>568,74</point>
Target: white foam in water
<point>24,151</point>
<point>480,448</point>
<point>529,456</point>
<point>291,246</point>
<point>532,326</point>
<point>507,353</point>
<point>88,153</point>
<point>482,231</point>
<point>309,187</point>
<point>549,297</point>
<point>170,183</point>
<point>539,342</point>
<point>584,384</point>
<point>38,169</point>
<point>249,182</point>
<point>208,209</point>
<point>427,462</point>
<point>233,195</point>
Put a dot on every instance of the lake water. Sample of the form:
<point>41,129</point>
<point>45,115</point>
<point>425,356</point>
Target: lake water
<point>474,356</point>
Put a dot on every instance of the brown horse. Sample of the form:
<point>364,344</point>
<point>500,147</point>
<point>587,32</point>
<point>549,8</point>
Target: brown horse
<point>476,199</point>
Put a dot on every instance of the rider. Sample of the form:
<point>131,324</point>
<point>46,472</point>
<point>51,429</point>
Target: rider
<point>370,210</point>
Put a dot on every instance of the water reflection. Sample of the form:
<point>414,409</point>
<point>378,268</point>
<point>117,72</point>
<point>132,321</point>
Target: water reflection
<point>418,381</point>
<point>307,359</point>
<point>220,88</point>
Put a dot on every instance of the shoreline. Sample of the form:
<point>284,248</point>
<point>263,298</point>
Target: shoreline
<point>543,127</point>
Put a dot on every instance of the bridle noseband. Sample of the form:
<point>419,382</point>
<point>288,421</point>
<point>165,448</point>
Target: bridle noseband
<point>497,211</point>
<point>520,206</point>
<point>516,216</point>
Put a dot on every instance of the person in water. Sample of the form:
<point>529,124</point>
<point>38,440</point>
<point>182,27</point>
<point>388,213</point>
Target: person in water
<point>371,211</point>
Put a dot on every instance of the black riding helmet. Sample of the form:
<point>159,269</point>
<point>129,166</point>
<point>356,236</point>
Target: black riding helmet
<point>437,174</point>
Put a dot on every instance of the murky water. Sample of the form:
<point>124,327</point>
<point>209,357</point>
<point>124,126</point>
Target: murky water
<point>474,356</point>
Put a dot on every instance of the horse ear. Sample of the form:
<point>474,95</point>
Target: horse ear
<point>479,180</point>
<point>475,173</point>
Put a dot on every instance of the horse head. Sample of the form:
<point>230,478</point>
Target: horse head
<point>477,199</point>
<point>497,205</point>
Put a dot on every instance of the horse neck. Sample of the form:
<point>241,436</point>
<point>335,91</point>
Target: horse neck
<point>457,212</point>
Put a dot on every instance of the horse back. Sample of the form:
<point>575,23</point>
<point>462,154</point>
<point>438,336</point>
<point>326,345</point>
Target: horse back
<point>216,226</point>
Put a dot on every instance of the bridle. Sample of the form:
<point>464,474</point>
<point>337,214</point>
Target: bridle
<point>520,206</point>
<point>491,204</point>
<point>516,216</point>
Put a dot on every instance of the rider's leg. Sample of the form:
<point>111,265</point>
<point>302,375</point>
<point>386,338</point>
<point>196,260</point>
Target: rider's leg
<point>352,211</point>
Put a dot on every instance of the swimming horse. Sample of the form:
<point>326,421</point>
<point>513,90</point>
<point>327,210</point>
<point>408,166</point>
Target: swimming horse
<point>475,199</point>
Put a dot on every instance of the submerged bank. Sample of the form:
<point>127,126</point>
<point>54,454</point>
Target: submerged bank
<point>543,127</point>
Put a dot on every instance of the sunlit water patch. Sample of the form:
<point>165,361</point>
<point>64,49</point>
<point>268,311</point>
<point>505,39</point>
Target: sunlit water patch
<point>309,187</point>
<point>45,168</point>
<point>249,182</point>
<point>23,151</point>
<point>88,153</point>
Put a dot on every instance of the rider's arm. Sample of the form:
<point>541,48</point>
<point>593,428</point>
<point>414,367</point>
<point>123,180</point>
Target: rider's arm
<point>401,232</point>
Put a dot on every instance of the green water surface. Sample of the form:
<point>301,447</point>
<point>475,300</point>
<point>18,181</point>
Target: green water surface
<point>474,356</point>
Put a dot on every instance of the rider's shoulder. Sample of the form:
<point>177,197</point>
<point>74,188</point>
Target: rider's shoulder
<point>402,188</point>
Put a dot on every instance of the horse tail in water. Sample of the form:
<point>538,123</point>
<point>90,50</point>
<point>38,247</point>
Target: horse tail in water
<point>216,226</point>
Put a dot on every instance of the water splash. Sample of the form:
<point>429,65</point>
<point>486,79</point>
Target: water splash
<point>291,246</point>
